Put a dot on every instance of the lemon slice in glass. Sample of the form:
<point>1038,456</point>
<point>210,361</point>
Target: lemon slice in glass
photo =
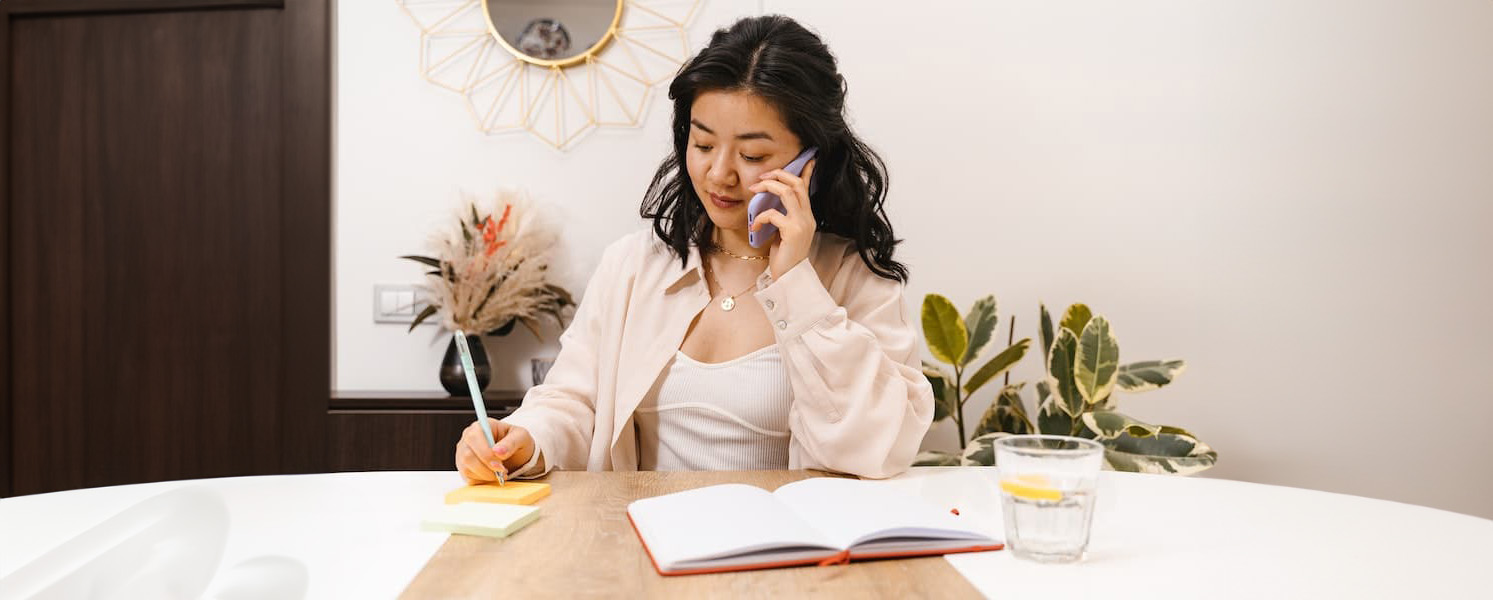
<point>1031,487</point>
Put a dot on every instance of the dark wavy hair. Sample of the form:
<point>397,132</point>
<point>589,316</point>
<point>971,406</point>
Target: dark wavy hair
<point>790,67</point>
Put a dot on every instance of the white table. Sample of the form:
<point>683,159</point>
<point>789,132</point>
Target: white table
<point>357,535</point>
<point>1161,536</point>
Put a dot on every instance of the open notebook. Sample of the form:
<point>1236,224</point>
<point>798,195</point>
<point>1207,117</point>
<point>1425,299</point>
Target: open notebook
<point>737,527</point>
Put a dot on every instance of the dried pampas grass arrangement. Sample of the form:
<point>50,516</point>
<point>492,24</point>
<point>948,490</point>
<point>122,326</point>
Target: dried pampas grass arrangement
<point>489,269</point>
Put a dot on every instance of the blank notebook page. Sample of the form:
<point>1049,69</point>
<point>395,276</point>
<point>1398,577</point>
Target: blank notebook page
<point>848,511</point>
<point>716,521</point>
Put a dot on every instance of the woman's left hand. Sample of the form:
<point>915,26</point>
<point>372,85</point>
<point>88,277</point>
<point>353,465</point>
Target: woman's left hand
<point>795,229</point>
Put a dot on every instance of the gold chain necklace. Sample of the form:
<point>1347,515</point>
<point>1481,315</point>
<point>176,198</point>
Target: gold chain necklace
<point>729,302</point>
<point>735,255</point>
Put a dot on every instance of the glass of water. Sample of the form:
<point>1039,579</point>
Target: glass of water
<point>1047,494</point>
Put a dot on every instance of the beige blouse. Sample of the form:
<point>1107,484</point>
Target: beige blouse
<point>860,402</point>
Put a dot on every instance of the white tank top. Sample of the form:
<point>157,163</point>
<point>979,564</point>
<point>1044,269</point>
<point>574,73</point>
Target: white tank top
<point>717,416</point>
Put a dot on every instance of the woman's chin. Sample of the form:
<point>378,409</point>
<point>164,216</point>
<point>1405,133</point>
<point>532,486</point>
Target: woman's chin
<point>735,223</point>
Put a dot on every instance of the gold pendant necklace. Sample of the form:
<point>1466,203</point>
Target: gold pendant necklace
<point>729,302</point>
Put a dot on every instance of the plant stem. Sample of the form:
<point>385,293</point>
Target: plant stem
<point>959,403</point>
<point>1010,340</point>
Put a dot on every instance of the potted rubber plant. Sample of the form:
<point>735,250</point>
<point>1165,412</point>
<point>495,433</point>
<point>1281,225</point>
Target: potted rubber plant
<point>1078,395</point>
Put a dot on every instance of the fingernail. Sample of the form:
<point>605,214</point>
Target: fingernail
<point>495,464</point>
<point>500,450</point>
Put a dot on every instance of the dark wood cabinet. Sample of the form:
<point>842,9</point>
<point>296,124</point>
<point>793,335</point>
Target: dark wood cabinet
<point>402,431</point>
<point>165,252</point>
<point>165,240</point>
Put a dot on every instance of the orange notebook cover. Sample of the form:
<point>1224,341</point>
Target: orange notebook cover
<point>823,521</point>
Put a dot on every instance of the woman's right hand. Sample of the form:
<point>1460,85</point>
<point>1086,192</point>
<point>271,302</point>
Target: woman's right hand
<point>477,462</point>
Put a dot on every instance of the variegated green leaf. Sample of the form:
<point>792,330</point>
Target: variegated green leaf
<point>936,459</point>
<point>1107,425</point>
<point>981,322</point>
<point>1061,375</point>
<point>1003,361</point>
<point>1163,453</point>
<point>1149,374</point>
<point>1050,418</point>
<point>1076,317</point>
<point>1046,334</point>
<point>1176,430</point>
<point>943,397</point>
<point>981,450</point>
<point>1006,413</point>
<point>1172,444</point>
<point>944,329</point>
<point>1098,361</point>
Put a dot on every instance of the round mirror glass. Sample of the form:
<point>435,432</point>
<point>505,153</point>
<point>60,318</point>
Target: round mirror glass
<point>552,30</point>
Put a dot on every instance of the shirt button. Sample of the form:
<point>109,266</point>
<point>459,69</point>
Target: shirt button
<point>782,324</point>
<point>770,305</point>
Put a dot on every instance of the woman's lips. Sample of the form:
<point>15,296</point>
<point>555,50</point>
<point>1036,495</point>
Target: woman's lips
<point>724,202</point>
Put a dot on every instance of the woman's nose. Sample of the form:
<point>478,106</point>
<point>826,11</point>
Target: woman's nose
<point>721,175</point>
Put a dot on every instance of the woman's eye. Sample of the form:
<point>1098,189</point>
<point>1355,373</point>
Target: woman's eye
<point>753,158</point>
<point>702,147</point>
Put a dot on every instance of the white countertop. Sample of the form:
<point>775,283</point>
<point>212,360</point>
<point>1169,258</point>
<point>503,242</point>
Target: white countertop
<point>357,535</point>
<point>1189,537</point>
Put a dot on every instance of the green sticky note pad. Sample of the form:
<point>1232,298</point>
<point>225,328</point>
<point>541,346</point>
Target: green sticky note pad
<point>480,518</point>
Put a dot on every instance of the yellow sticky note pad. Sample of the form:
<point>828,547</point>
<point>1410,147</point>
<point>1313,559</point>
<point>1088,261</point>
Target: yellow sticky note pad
<point>515,492</point>
<point>491,520</point>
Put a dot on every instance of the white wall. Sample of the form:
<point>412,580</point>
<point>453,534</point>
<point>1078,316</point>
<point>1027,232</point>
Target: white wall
<point>1294,196</point>
<point>406,149</point>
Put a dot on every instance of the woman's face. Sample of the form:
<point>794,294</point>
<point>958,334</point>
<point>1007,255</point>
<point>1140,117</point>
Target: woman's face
<point>734,137</point>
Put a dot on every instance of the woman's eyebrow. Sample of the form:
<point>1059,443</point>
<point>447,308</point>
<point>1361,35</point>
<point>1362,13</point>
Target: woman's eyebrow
<point>751,135</point>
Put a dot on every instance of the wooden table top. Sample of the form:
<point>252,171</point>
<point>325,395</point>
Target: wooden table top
<point>583,545</point>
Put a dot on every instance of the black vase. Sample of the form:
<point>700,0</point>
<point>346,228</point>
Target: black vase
<point>454,377</point>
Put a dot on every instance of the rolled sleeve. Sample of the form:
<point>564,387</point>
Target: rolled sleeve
<point>861,404</point>
<point>795,301</point>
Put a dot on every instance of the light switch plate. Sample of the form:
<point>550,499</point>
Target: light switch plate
<point>388,302</point>
<point>398,303</point>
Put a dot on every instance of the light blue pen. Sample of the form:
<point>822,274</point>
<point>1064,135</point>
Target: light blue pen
<point>466,365</point>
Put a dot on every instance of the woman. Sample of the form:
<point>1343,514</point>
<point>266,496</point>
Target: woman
<point>692,349</point>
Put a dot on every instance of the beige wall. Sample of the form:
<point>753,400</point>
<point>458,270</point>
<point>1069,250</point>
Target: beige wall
<point>1294,196</point>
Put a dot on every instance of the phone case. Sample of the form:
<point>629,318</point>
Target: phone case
<point>764,201</point>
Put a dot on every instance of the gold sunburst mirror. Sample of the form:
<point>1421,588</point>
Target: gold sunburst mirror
<point>557,69</point>
<point>553,33</point>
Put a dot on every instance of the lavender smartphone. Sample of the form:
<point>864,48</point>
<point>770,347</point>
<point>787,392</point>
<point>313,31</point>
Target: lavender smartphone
<point>764,201</point>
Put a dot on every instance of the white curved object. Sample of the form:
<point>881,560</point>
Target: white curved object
<point>165,547</point>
